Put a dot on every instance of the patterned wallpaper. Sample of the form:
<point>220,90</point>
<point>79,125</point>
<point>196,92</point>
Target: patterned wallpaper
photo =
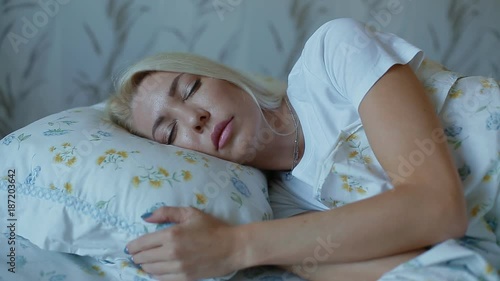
<point>59,54</point>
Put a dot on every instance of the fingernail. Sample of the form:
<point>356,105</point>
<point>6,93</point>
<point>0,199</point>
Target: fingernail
<point>146,215</point>
<point>125,250</point>
<point>131,259</point>
<point>163,225</point>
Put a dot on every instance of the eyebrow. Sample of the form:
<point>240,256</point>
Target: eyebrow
<point>171,93</point>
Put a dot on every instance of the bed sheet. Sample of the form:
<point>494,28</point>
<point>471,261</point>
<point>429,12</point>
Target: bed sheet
<point>35,264</point>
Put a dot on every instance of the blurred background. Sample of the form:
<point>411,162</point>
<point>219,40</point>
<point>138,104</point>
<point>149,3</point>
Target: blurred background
<point>60,54</point>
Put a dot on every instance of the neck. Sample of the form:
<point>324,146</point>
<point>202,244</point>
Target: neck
<point>277,153</point>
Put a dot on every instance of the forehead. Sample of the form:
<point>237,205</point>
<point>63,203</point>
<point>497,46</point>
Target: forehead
<point>150,100</point>
<point>155,81</point>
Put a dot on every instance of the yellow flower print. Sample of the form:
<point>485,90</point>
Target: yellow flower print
<point>52,186</point>
<point>358,153</point>
<point>112,156</point>
<point>454,93</point>
<point>350,184</point>
<point>332,203</point>
<point>71,161</point>
<point>489,269</point>
<point>155,183</point>
<point>367,159</point>
<point>136,181</point>
<point>186,175</point>
<point>346,187</point>
<point>58,158</point>
<point>65,154</point>
<point>494,171</point>
<point>124,264</point>
<point>477,209</point>
<point>100,160</point>
<point>201,199</point>
<point>352,137</point>
<point>156,177</point>
<point>123,154</point>
<point>487,178</point>
<point>360,190</point>
<point>163,172</point>
<point>353,154</point>
<point>430,90</point>
<point>486,84</point>
<point>98,270</point>
<point>190,160</point>
<point>189,157</point>
<point>68,187</point>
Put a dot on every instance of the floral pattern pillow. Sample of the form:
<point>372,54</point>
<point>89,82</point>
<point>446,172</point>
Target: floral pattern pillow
<point>76,183</point>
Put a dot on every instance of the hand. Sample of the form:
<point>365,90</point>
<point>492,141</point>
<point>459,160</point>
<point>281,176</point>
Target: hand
<point>197,246</point>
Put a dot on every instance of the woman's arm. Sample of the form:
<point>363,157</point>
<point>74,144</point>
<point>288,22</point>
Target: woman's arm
<point>426,206</point>
<point>370,270</point>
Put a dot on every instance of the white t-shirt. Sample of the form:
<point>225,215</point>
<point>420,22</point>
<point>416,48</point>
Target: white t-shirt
<point>339,64</point>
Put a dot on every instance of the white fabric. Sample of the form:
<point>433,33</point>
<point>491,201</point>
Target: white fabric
<point>339,166</point>
<point>339,64</point>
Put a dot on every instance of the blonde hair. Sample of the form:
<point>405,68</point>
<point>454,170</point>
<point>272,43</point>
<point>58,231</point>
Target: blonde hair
<point>265,91</point>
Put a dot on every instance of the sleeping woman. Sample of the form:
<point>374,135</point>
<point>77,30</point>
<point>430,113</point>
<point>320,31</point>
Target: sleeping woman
<point>386,164</point>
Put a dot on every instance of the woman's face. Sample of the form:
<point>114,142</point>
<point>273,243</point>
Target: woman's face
<point>199,113</point>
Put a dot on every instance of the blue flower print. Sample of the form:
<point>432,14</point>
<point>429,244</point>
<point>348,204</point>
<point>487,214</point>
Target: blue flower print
<point>464,172</point>
<point>104,134</point>
<point>30,179</point>
<point>492,223</point>
<point>493,122</point>
<point>56,132</point>
<point>241,186</point>
<point>453,131</point>
<point>8,139</point>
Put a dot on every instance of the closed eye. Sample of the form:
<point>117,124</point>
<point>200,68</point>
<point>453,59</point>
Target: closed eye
<point>193,89</point>
<point>172,134</point>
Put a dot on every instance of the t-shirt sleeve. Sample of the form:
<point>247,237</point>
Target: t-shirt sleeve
<point>352,57</point>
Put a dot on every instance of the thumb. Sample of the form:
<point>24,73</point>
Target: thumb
<point>164,215</point>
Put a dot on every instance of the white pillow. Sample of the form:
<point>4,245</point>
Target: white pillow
<point>79,184</point>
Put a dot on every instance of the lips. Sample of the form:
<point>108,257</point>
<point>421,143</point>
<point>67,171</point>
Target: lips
<point>221,133</point>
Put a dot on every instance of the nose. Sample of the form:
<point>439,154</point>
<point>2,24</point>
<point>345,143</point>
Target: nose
<point>198,119</point>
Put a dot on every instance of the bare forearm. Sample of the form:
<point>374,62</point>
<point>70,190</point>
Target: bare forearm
<point>390,223</point>
<point>357,271</point>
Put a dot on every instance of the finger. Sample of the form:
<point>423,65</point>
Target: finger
<point>159,254</point>
<point>161,268</point>
<point>166,215</point>
<point>146,242</point>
